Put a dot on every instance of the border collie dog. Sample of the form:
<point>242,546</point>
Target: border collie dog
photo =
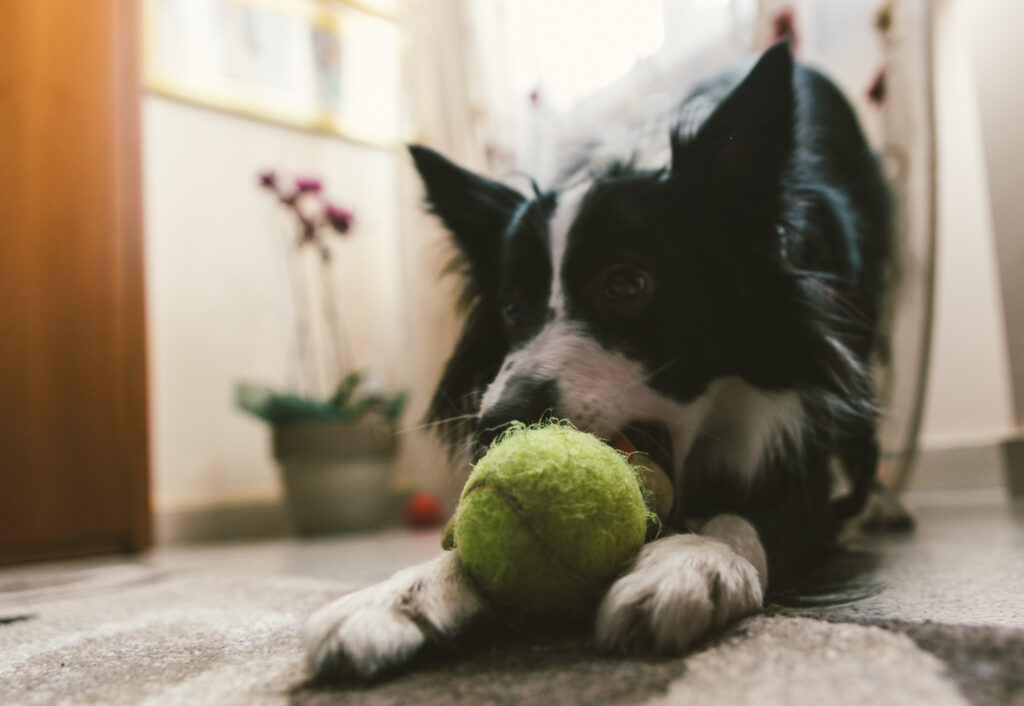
<point>718,308</point>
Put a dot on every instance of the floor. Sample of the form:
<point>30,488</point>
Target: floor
<point>930,618</point>
<point>359,558</point>
<point>964,563</point>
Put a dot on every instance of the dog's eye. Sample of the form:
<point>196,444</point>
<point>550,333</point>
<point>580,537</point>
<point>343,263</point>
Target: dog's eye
<point>512,312</point>
<point>625,284</point>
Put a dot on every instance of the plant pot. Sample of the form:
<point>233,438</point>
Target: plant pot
<point>336,475</point>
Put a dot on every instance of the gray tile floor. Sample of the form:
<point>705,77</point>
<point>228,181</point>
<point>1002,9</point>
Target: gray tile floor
<point>964,563</point>
<point>359,559</point>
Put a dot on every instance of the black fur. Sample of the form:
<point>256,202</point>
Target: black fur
<point>767,240</point>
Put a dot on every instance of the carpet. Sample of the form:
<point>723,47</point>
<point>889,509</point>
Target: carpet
<point>135,634</point>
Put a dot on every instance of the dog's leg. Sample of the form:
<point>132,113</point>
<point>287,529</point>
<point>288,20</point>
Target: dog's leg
<point>883,512</point>
<point>382,627</point>
<point>859,453</point>
<point>681,587</point>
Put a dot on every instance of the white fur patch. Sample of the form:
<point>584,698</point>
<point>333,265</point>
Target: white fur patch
<point>565,215</point>
<point>598,389</point>
<point>744,425</point>
<point>603,391</point>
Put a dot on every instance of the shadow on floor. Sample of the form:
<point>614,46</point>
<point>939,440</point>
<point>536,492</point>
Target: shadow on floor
<point>520,670</point>
<point>843,577</point>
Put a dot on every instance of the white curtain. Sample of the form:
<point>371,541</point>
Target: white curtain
<point>443,90</point>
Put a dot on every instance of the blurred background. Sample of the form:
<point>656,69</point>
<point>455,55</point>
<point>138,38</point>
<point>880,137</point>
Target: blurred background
<point>222,305</point>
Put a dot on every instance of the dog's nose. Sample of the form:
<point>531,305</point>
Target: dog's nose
<point>525,400</point>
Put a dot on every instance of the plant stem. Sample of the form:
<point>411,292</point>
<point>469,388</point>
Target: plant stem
<point>339,342</point>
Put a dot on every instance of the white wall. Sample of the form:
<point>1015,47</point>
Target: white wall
<point>969,394</point>
<point>218,295</point>
<point>998,56</point>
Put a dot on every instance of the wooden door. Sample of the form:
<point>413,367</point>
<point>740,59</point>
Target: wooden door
<point>73,410</point>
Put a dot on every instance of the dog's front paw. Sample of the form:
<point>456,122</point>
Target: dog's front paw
<point>360,635</point>
<point>678,590</point>
<point>378,629</point>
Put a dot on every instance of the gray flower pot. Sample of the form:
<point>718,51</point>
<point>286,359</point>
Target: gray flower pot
<point>337,475</point>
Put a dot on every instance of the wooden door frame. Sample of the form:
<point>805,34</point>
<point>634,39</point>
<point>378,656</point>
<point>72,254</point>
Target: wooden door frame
<point>133,408</point>
<point>125,411</point>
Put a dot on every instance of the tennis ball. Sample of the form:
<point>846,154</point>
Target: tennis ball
<point>547,519</point>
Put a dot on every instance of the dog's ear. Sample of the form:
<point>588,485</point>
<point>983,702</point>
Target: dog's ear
<point>742,148</point>
<point>476,210</point>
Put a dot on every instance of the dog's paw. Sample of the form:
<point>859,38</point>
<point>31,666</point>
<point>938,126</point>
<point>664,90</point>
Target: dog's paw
<point>360,635</point>
<point>381,628</point>
<point>883,512</point>
<point>679,589</point>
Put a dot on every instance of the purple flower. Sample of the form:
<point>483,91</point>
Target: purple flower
<point>784,27</point>
<point>339,218</point>
<point>877,89</point>
<point>308,184</point>
<point>268,179</point>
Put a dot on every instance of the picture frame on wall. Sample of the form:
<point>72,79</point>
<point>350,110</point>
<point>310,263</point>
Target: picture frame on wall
<point>385,8</point>
<point>321,65</point>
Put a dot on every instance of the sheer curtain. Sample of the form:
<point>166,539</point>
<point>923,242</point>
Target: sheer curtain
<point>443,88</point>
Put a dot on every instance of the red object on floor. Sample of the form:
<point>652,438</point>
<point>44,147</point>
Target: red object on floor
<point>423,509</point>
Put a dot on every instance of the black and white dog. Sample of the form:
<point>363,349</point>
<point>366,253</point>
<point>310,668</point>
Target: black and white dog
<point>720,310</point>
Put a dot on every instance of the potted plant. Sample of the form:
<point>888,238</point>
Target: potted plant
<point>333,436</point>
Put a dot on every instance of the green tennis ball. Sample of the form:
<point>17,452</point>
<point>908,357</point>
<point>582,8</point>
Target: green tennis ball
<point>547,519</point>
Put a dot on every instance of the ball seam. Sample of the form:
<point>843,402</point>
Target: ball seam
<point>548,552</point>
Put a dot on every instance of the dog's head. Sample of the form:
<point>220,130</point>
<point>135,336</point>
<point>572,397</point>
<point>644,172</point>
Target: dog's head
<point>617,301</point>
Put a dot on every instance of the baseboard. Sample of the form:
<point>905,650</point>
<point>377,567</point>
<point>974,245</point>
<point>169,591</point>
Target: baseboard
<point>262,519</point>
<point>959,467</point>
<point>1013,460</point>
<point>240,520</point>
<point>999,464</point>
